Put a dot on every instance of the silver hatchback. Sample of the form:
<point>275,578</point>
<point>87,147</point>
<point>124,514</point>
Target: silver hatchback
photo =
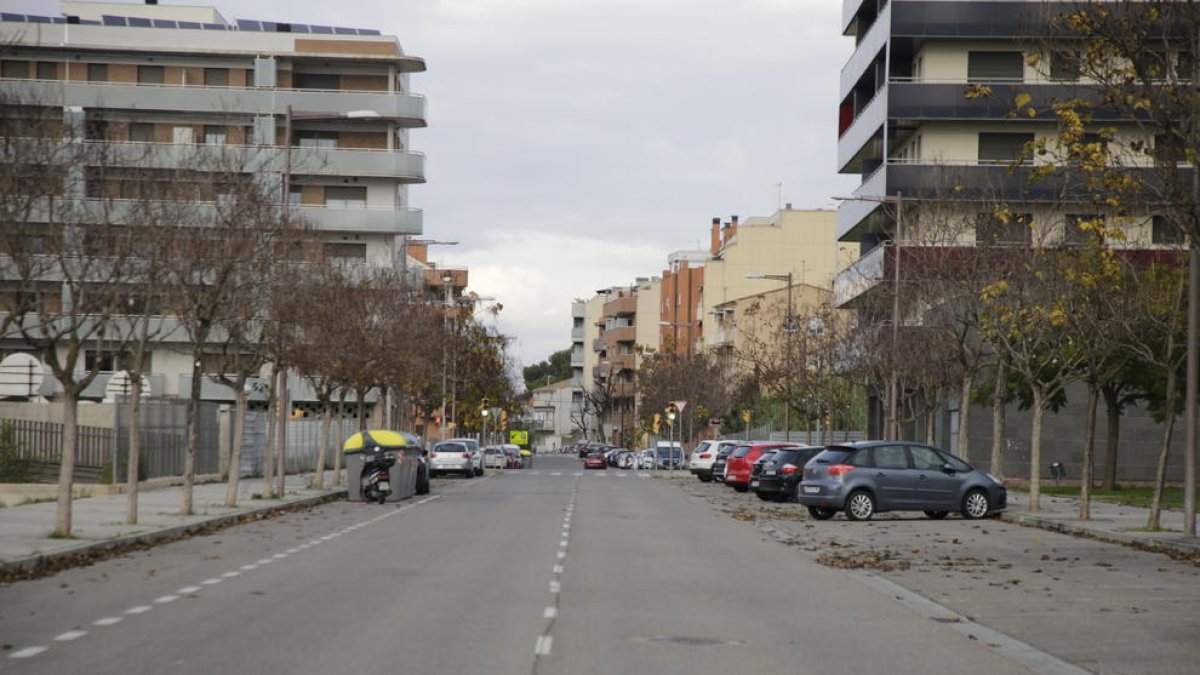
<point>451,457</point>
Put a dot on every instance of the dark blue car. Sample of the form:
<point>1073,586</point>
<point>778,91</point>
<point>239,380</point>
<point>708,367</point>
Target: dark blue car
<point>874,476</point>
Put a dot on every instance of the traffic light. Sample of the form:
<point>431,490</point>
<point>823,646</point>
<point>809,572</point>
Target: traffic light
<point>657,422</point>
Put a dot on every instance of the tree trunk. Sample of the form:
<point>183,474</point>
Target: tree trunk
<point>997,463</point>
<point>269,451</point>
<point>66,467</point>
<point>1160,473</point>
<point>1112,409</point>
<point>281,434</point>
<point>1035,449</point>
<point>362,409</point>
<point>239,442</point>
<point>337,452</point>
<point>326,424</point>
<point>134,458</point>
<point>1089,462</point>
<point>964,417</point>
<point>193,437</point>
<point>931,417</point>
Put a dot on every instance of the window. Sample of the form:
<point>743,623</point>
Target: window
<point>346,251</point>
<point>1168,149</point>
<point>1151,64</point>
<point>1075,233</point>
<point>141,132</point>
<point>151,74</point>
<point>1014,229</point>
<point>925,459</point>
<point>183,134</point>
<point>1165,231</point>
<point>249,77</point>
<point>214,135</point>
<point>890,457</point>
<point>346,196</point>
<point>1064,66</point>
<point>1184,64</point>
<point>315,139</point>
<point>97,72</point>
<point>216,77</point>
<point>14,69</point>
<point>995,67</point>
<point>295,195</point>
<point>1002,148</point>
<point>316,81</point>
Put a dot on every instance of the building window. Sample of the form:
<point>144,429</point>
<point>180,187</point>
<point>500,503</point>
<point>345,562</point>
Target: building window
<point>183,135</point>
<point>345,196</point>
<point>316,81</point>
<point>47,70</point>
<point>14,69</point>
<point>1074,232</point>
<point>141,132</point>
<point>1168,149</point>
<point>1002,148</point>
<point>97,72</point>
<point>315,139</point>
<point>995,67</point>
<point>151,74</point>
<point>214,135</point>
<point>1166,232</point>
<point>216,77</point>
<point>1064,66</point>
<point>1014,229</point>
<point>1184,64</point>
<point>346,251</point>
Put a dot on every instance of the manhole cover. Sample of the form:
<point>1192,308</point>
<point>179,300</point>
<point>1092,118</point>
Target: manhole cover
<point>684,640</point>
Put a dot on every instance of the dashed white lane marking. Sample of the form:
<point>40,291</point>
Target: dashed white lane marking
<point>26,653</point>
<point>140,609</point>
<point>542,648</point>
<point>555,587</point>
<point>550,613</point>
<point>562,554</point>
<point>165,599</point>
<point>188,590</point>
<point>70,635</point>
<point>563,543</point>
<point>643,475</point>
<point>577,473</point>
<point>212,582</point>
<point>108,621</point>
<point>265,561</point>
<point>558,569</point>
<point>556,473</point>
<point>248,567</point>
<point>287,553</point>
<point>230,575</point>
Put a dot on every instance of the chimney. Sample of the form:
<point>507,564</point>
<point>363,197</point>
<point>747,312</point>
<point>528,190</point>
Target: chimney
<point>732,226</point>
<point>715,240</point>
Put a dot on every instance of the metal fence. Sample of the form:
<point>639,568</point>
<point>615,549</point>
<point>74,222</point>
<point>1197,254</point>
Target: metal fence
<point>163,424</point>
<point>41,442</point>
<point>303,443</point>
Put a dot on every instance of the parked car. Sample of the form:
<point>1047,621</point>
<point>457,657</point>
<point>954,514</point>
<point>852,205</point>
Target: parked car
<point>494,458</point>
<point>514,451</point>
<point>721,462</point>
<point>627,460</point>
<point>741,461</point>
<point>756,469</point>
<point>451,457</point>
<point>868,477</point>
<point>644,459</point>
<point>666,457</point>
<point>781,473</point>
<point>475,450</point>
<point>704,456</point>
<point>594,460</point>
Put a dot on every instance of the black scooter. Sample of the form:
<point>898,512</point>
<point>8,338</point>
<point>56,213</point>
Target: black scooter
<point>375,480</point>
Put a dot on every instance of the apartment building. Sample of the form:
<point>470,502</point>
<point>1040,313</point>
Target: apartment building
<point>925,120</point>
<point>681,314</point>
<point>325,111</point>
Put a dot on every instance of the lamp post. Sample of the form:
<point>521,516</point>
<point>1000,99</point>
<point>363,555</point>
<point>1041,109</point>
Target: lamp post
<point>789,320</point>
<point>891,423</point>
<point>670,440</point>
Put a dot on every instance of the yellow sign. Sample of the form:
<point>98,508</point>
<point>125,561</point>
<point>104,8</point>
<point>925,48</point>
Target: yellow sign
<point>518,437</point>
<point>746,416</point>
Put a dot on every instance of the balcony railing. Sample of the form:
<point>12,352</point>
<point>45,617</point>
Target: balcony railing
<point>859,277</point>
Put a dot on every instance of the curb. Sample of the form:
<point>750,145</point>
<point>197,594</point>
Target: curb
<point>1186,547</point>
<point>48,563</point>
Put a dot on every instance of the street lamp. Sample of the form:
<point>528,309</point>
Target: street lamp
<point>891,424</point>
<point>788,326</point>
<point>670,440</point>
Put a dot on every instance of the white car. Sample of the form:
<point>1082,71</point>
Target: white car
<point>451,457</point>
<point>476,453</point>
<point>704,455</point>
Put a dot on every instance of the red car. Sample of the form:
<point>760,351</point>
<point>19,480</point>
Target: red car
<point>737,473</point>
<point>594,460</point>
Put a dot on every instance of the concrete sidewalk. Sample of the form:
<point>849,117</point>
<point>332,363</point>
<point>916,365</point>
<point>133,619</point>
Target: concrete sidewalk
<point>1109,522</point>
<point>98,522</point>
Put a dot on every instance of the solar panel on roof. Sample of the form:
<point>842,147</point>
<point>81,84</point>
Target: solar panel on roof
<point>57,19</point>
<point>344,31</point>
<point>7,16</point>
<point>89,22</point>
<point>164,23</point>
<point>267,26</point>
<point>213,26</point>
<point>110,20</point>
<point>38,19</point>
<point>244,24</point>
<point>368,31</point>
<point>300,28</point>
<point>323,30</point>
<point>139,22</point>
<point>189,24</point>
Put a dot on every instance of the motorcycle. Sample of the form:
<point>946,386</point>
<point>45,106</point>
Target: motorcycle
<point>375,480</point>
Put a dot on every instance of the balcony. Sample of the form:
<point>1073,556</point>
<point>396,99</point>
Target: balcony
<point>853,212</point>
<point>599,345</point>
<point>366,220</point>
<point>944,100</point>
<point>867,128</point>
<point>865,52</point>
<point>576,360</point>
<point>621,306</point>
<point>623,362</point>
<point>404,109</point>
<point>577,334</point>
<point>859,278</point>
<point>621,334</point>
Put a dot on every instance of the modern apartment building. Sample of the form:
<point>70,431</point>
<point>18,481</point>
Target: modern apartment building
<point>325,111</point>
<point>681,315</point>
<point>925,120</point>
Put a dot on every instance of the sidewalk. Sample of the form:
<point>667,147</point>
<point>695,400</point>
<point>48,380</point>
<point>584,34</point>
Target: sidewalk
<point>98,522</point>
<point>1109,522</point>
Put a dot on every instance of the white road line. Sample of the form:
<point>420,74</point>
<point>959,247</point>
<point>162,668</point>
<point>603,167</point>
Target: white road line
<point>230,575</point>
<point>286,553</point>
<point>550,613</point>
<point>140,609</point>
<point>70,635</point>
<point>558,473</point>
<point>108,621</point>
<point>577,473</point>
<point>555,587</point>
<point>26,653</point>
<point>165,599</point>
<point>188,590</point>
<point>561,555</point>
<point>562,543</point>
<point>558,569</point>
<point>643,475</point>
<point>265,561</point>
<point>212,582</point>
<point>248,567</point>
<point>542,648</point>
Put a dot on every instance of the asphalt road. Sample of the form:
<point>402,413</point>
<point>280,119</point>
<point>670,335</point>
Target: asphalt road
<point>548,570</point>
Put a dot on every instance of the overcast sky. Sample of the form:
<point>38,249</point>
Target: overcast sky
<point>574,144</point>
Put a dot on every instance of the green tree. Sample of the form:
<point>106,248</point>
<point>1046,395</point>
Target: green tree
<point>554,369</point>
